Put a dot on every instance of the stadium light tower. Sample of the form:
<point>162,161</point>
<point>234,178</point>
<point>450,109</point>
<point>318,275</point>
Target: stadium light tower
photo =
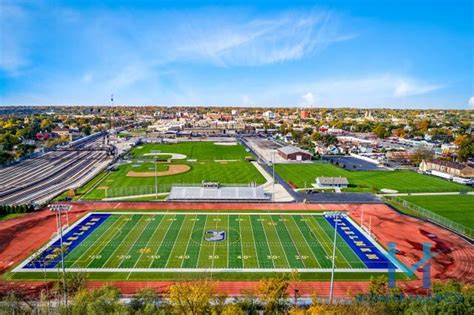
<point>57,209</point>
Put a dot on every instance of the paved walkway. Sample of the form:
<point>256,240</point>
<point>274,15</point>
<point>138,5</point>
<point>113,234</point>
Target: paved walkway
<point>279,193</point>
<point>428,194</point>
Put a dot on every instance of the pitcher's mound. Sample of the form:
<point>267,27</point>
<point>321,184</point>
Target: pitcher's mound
<point>172,170</point>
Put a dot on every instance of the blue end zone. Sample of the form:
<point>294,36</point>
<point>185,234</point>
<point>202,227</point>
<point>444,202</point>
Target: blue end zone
<point>49,259</point>
<point>372,257</point>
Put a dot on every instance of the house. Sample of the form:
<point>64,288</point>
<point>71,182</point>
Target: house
<point>269,114</point>
<point>61,132</point>
<point>331,182</point>
<point>294,154</point>
<point>447,169</point>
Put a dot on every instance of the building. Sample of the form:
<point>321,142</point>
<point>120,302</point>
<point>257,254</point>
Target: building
<point>294,154</point>
<point>448,168</point>
<point>331,182</point>
<point>269,114</point>
<point>304,114</point>
<point>61,132</point>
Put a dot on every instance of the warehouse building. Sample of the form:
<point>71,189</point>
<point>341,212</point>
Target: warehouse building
<point>292,153</point>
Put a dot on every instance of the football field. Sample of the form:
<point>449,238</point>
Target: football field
<point>207,241</point>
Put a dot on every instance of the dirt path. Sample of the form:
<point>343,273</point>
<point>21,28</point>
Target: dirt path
<point>173,169</point>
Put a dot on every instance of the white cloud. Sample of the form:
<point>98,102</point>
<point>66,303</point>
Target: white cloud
<point>409,88</point>
<point>471,101</point>
<point>308,98</point>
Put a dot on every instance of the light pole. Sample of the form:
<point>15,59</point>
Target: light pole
<point>156,183</point>
<point>57,209</point>
<point>336,218</point>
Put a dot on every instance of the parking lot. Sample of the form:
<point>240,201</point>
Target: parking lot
<point>353,163</point>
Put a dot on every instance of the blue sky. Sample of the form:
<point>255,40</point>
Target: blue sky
<point>268,53</point>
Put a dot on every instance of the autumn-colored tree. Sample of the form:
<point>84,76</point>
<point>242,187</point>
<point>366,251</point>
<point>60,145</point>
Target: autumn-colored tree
<point>191,297</point>
<point>273,294</point>
<point>399,132</point>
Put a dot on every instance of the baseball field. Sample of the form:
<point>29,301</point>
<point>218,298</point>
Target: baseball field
<point>173,164</point>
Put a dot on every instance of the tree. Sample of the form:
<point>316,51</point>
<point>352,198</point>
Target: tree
<point>145,300</point>
<point>249,302</point>
<point>399,132</point>
<point>191,297</point>
<point>273,293</point>
<point>422,153</point>
<point>381,132</point>
<point>104,300</point>
<point>466,149</point>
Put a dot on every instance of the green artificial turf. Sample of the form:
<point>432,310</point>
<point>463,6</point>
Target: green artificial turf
<point>367,181</point>
<point>140,241</point>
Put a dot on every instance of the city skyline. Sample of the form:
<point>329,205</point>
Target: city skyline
<point>329,55</point>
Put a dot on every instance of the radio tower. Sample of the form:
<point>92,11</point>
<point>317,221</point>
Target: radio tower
<point>112,112</point>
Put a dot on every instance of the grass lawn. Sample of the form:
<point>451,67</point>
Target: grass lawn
<point>202,151</point>
<point>459,208</point>
<point>231,167</point>
<point>140,244</point>
<point>7,216</point>
<point>367,181</point>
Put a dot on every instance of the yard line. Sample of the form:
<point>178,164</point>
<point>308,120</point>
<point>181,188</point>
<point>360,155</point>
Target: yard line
<point>161,242</point>
<point>253,241</point>
<point>170,237</point>
<point>183,237</point>
<point>187,263</point>
<point>95,236</point>
<point>159,220</point>
<point>316,246</point>
<point>275,245</point>
<point>189,239</point>
<point>265,244</point>
<point>96,247</point>
<point>221,248</point>
<point>132,224</point>
<point>161,232</point>
<point>207,248</point>
<point>127,243</point>
<point>343,262</point>
<point>291,251</point>
<point>302,239</point>
<point>130,249</point>
<point>349,255</point>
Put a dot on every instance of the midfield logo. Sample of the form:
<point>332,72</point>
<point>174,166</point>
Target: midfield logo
<point>215,236</point>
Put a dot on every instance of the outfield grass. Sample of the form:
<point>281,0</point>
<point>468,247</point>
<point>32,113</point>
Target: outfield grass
<point>136,242</point>
<point>208,162</point>
<point>203,151</point>
<point>459,208</point>
<point>367,181</point>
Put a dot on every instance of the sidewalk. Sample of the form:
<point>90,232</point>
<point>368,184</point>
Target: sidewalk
<point>281,195</point>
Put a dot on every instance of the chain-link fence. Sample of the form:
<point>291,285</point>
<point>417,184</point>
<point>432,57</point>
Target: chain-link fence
<point>426,214</point>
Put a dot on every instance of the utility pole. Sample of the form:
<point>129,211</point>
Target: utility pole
<point>273,165</point>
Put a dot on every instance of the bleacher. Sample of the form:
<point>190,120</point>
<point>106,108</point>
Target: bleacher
<point>212,193</point>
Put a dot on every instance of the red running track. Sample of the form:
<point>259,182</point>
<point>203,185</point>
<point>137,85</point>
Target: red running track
<point>454,256</point>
